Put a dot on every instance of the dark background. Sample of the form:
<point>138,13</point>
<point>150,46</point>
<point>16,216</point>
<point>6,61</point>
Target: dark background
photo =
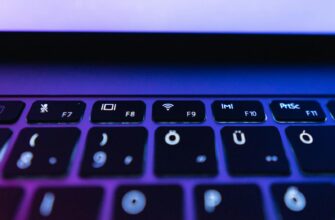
<point>180,48</point>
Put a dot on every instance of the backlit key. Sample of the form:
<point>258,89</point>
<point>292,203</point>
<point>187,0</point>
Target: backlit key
<point>146,202</point>
<point>185,151</point>
<point>305,201</point>
<point>178,111</point>
<point>42,152</point>
<point>297,111</point>
<point>5,134</point>
<point>56,111</point>
<point>314,147</point>
<point>66,203</point>
<point>254,151</point>
<point>238,111</point>
<point>10,200</point>
<point>231,202</point>
<point>10,111</point>
<point>117,151</point>
<point>118,111</point>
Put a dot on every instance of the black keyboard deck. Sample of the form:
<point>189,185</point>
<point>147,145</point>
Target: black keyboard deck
<point>167,158</point>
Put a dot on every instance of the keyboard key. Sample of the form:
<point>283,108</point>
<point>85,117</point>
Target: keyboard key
<point>68,203</point>
<point>114,151</point>
<point>178,111</point>
<point>10,111</point>
<point>42,152</point>
<point>5,134</point>
<point>331,107</point>
<point>10,199</point>
<point>297,111</point>
<point>238,111</point>
<point>314,147</point>
<point>118,111</point>
<point>163,202</point>
<point>56,111</point>
<point>305,201</point>
<point>216,202</point>
<point>185,151</point>
<point>254,150</point>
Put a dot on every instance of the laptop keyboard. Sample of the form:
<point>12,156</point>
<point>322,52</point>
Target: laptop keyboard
<point>143,158</point>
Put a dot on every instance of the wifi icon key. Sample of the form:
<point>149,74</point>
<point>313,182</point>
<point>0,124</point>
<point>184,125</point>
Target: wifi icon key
<point>178,111</point>
<point>168,106</point>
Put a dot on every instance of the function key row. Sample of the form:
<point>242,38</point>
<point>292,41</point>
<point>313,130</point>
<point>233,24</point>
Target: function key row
<point>178,151</point>
<point>165,202</point>
<point>164,111</point>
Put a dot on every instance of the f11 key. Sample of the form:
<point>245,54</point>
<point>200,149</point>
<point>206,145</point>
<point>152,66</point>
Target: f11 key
<point>297,111</point>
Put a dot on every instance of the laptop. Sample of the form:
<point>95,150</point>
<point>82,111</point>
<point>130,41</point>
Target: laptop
<point>167,110</point>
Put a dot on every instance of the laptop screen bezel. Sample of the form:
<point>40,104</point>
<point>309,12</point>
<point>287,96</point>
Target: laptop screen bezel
<point>167,47</point>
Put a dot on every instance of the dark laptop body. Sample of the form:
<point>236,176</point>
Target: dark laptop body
<point>152,126</point>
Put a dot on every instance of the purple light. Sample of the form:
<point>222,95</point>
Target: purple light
<point>217,16</point>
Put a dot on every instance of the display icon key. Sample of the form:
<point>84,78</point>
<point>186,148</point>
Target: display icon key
<point>118,111</point>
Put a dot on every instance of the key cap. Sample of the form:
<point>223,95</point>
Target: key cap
<point>238,111</point>
<point>67,203</point>
<point>10,111</point>
<point>163,202</point>
<point>178,111</point>
<point>331,107</point>
<point>56,111</point>
<point>305,201</point>
<point>185,151</point>
<point>118,111</point>
<point>216,202</point>
<point>254,150</point>
<point>313,147</point>
<point>114,151</point>
<point>42,152</point>
<point>297,111</point>
<point>5,134</point>
<point>10,199</point>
